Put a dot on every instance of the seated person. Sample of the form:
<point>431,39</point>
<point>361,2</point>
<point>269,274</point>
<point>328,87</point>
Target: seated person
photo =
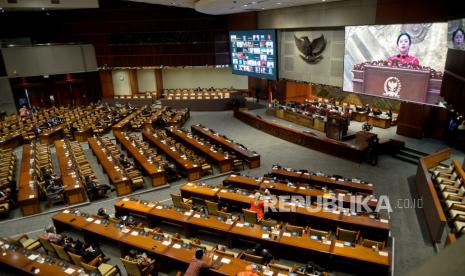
<point>36,129</point>
<point>146,111</point>
<point>141,258</point>
<point>7,196</point>
<point>124,161</point>
<point>258,250</point>
<point>91,251</point>
<point>51,235</point>
<point>96,189</point>
<point>55,190</point>
<point>102,214</point>
<point>257,205</point>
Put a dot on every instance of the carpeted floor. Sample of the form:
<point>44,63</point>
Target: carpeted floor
<point>391,177</point>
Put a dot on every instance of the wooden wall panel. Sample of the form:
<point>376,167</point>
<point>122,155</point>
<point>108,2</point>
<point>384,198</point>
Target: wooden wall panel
<point>401,11</point>
<point>133,81</point>
<point>106,80</point>
<point>131,34</point>
<point>412,119</point>
<point>159,81</point>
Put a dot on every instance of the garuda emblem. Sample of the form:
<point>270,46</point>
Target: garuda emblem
<point>311,50</point>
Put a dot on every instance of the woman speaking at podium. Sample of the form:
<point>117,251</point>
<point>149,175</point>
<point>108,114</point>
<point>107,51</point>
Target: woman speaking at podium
<point>403,46</point>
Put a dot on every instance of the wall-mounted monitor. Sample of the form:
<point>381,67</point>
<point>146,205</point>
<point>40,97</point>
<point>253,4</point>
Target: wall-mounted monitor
<point>402,62</point>
<point>254,53</point>
<point>456,34</point>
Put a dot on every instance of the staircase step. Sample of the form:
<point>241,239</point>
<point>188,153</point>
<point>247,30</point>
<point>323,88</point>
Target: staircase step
<point>409,155</point>
<point>406,159</point>
<point>414,151</point>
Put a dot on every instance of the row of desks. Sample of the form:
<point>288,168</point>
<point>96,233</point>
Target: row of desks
<point>123,125</point>
<point>331,183</point>
<point>74,189</point>
<point>193,171</point>
<point>280,241</point>
<point>117,178</point>
<point>129,238</point>
<point>373,228</point>
<point>224,163</point>
<point>251,157</point>
<point>280,188</point>
<point>28,193</point>
<point>157,175</point>
<point>34,263</point>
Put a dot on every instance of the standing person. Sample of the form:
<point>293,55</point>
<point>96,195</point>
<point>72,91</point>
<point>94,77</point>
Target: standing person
<point>23,112</point>
<point>257,205</point>
<point>197,264</point>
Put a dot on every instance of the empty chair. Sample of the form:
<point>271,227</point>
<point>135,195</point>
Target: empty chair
<point>212,207</point>
<point>25,242</point>
<point>371,243</point>
<point>295,229</point>
<point>347,235</point>
<point>178,202</point>
<point>250,216</point>
<point>320,234</point>
<point>47,246</point>
<point>251,258</point>
<point>279,267</point>
<point>61,252</point>
<point>269,223</point>
<point>224,215</point>
<point>102,269</point>
<point>198,202</point>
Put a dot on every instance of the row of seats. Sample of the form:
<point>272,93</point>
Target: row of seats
<point>7,167</point>
<point>7,180</point>
<point>94,188</point>
<point>43,166</point>
<point>238,164</point>
<point>212,208</point>
<point>198,95</point>
<point>449,183</point>
<point>184,151</point>
<point>115,155</point>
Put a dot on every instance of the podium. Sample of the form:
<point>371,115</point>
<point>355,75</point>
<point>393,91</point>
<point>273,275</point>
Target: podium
<point>336,126</point>
<point>397,83</point>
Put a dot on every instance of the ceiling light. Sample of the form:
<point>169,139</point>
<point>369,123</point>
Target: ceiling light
<point>253,3</point>
<point>43,8</point>
<point>245,5</point>
<point>279,3</point>
<point>263,8</point>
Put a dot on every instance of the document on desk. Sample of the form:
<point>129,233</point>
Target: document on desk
<point>97,221</point>
<point>166,243</point>
<point>239,224</point>
<point>89,219</point>
<point>32,257</point>
<point>225,260</point>
<point>265,236</point>
<point>135,233</point>
<point>287,234</point>
<point>338,244</point>
<point>70,270</point>
<point>177,246</point>
<point>383,253</point>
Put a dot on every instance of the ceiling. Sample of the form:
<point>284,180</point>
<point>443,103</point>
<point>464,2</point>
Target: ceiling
<point>214,7</point>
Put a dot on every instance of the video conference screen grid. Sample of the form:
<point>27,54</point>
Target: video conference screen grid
<point>253,53</point>
<point>402,61</point>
